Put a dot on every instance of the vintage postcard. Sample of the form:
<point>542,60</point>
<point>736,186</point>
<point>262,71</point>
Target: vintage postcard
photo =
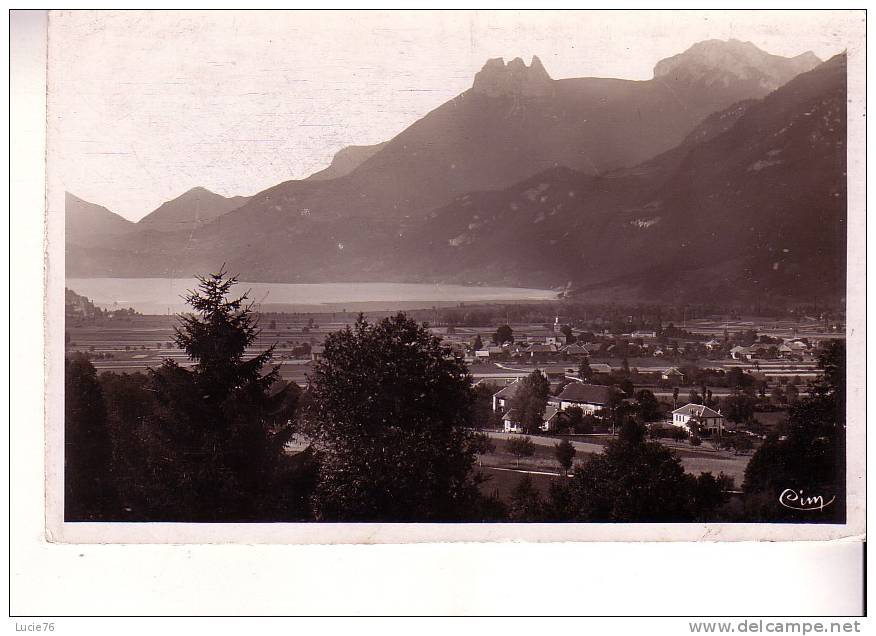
<point>430,276</point>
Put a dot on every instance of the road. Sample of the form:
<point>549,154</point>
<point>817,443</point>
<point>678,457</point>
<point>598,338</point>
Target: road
<point>695,461</point>
<point>583,447</point>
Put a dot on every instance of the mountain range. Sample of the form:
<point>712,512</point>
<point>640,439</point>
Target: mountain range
<point>722,175</point>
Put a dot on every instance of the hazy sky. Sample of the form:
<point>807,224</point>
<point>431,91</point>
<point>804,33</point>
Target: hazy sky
<point>145,105</point>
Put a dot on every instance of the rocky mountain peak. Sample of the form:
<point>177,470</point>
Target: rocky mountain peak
<point>714,62</point>
<point>514,78</point>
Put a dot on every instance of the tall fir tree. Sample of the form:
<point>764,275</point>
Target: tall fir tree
<point>224,423</point>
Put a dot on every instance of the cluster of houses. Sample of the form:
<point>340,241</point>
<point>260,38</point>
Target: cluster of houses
<point>789,349</point>
<point>552,347</point>
<point>546,343</point>
<point>593,399</point>
<point>549,348</point>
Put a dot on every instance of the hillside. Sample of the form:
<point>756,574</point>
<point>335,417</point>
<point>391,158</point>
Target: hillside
<point>191,209</point>
<point>345,161</point>
<point>90,224</point>
<point>753,202</point>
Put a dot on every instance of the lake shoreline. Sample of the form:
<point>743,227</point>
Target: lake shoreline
<point>157,296</point>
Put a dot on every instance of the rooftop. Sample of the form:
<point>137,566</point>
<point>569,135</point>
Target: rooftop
<point>508,391</point>
<point>550,411</point>
<point>696,410</point>
<point>587,393</point>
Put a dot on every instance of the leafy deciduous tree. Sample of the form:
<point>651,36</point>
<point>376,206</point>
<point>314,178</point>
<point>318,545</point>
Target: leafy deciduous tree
<point>481,444</point>
<point>526,502</point>
<point>390,409</point>
<point>478,344</point>
<point>649,407</point>
<point>565,453</point>
<point>520,447</point>
<point>503,334</point>
<point>584,371</point>
<point>633,481</point>
<point>530,401</point>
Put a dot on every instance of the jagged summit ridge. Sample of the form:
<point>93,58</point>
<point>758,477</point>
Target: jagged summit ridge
<point>723,61</point>
<point>496,78</point>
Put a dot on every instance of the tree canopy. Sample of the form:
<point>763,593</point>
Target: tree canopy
<point>88,489</point>
<point>810,457</point>
<point>520,447</point>
<point>530,401</point>
<point>648,406</point>
<point>564,453</point>
<point>585,372</point>
<point>389,407</point>
<point>503,334</point>
<point>634,481</point>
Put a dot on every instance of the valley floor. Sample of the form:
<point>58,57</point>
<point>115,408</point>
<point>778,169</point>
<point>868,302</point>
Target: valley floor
<point>695,460</point>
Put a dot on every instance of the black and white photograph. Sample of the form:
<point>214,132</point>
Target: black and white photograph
<point>464,269</point>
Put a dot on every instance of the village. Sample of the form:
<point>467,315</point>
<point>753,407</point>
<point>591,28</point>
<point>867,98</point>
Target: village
<point>712,394</point>
<point>711,390</point>
<point>744,362</point>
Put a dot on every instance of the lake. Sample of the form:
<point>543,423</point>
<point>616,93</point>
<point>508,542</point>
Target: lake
<point>163,295</point>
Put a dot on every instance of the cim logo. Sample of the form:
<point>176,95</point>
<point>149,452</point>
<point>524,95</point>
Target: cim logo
<point>796,500</point>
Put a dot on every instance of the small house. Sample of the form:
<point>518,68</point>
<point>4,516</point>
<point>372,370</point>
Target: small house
<point>741,353</point>
<point>707,419</point>
<point>511,421</point>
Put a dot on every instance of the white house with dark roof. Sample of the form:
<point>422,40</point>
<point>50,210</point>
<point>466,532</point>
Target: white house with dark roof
<point>511,420</point>
<point>502,398</point>
<point>588,397</point>
<point>707,419</point>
